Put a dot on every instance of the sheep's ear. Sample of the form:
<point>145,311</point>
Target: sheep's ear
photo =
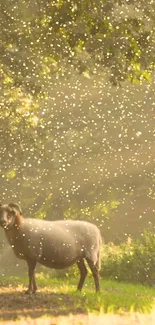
<point>15,207</point>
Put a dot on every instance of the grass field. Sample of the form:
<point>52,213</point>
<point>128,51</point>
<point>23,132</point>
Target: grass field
<point>58,303</point>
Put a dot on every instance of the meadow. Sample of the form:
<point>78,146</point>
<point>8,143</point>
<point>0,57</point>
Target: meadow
<point>58,303</point>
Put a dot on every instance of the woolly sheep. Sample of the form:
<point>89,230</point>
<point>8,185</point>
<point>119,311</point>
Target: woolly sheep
<point>55,244</point>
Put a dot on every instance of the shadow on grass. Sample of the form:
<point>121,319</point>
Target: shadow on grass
<point>14,305</point>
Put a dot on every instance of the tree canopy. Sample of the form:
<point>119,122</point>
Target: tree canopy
<point>68,138</point>
<point>41,38</point>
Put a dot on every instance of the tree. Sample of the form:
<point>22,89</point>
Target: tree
<point>54,134</point>
<point>40,39</point>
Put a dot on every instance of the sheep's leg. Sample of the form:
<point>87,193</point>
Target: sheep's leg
<point>32,283</point>
<point>95,272</point>
<point>83,273</point>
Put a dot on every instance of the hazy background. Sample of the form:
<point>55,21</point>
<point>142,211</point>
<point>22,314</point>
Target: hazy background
<point>77,114</point>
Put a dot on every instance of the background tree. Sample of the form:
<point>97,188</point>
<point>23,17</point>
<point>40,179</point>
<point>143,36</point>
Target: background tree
<point>71,144</point>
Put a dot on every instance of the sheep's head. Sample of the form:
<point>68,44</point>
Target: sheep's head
<point>8,215</point>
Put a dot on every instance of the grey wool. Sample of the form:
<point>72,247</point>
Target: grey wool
<point>55,244</point>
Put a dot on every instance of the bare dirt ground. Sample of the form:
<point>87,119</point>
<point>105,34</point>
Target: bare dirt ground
<point>50,308</point>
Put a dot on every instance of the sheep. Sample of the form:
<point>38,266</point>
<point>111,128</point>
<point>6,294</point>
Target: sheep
<point>54,244</point>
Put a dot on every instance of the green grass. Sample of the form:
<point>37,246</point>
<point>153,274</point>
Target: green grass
<point>114,297</point>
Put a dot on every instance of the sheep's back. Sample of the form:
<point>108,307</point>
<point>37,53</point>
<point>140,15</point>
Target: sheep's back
<point>58,243</point>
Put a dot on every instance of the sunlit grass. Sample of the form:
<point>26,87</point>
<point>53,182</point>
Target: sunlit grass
<point>114,297</point>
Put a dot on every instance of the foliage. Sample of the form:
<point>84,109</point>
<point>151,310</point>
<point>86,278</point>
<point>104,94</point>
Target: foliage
<point>43,38</point>
<point>98,212</point>
<point>133,261</point>
<point>65,139</point>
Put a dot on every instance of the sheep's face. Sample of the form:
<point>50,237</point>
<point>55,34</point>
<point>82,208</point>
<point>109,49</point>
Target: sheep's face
<point>7,216</point>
